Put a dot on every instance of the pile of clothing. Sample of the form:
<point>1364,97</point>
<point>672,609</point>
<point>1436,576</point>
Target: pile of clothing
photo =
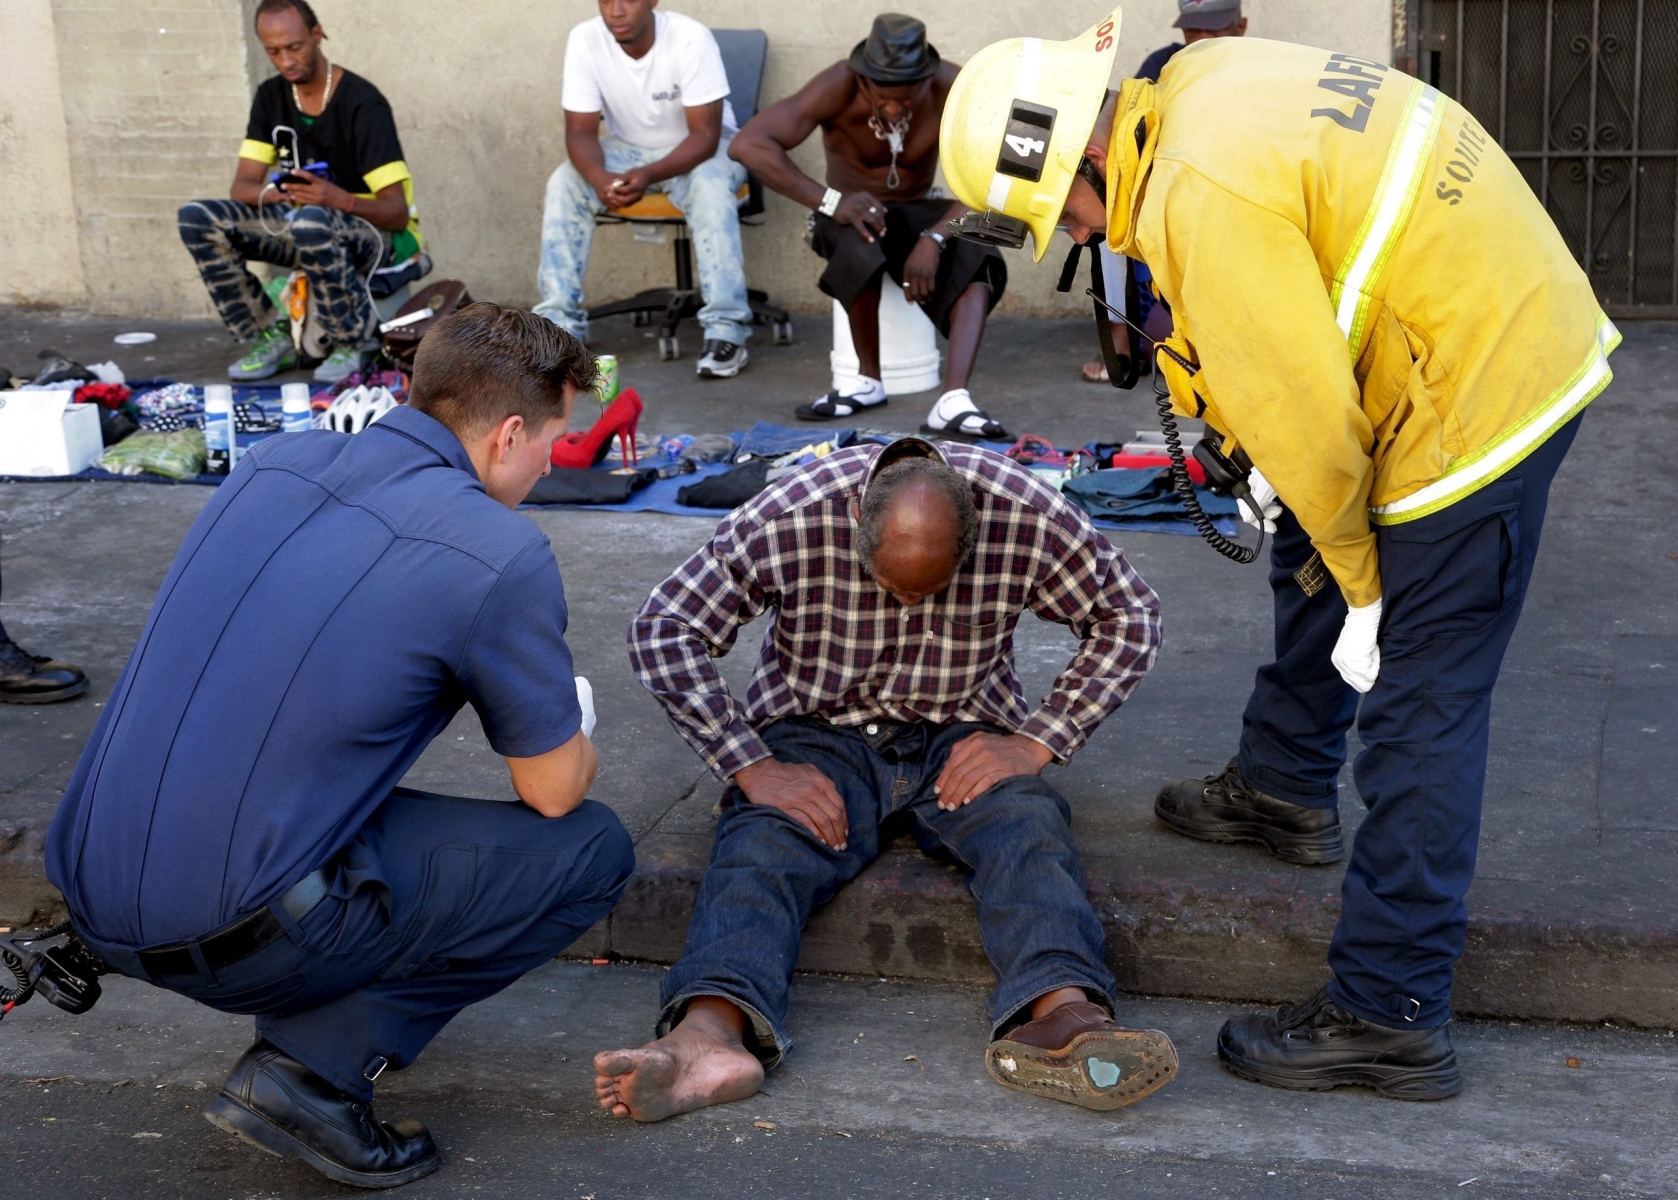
<point>58,372</point>
<point>102,384</point>
<point>170,408</point>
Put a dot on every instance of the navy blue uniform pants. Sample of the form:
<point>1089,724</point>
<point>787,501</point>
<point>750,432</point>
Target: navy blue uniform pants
<point>768,873</point>
<point>438,903</point>
<point>1452,587</point>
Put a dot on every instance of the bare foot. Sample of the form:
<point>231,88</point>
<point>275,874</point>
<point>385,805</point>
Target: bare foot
<point>699,1063</point>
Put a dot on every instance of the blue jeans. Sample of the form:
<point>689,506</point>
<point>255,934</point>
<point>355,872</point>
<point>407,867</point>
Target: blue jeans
<point>705,196</point>
<point>768,873</point>
<point>1452,588</point>
<point>438,903</point>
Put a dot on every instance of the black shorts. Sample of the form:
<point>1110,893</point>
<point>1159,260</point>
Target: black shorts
<point>854,265</point>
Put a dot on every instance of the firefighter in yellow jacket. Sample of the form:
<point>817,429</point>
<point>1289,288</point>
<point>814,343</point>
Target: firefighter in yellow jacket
<point>1370,301</point>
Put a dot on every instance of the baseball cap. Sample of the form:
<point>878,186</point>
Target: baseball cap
<point>1207,14</point>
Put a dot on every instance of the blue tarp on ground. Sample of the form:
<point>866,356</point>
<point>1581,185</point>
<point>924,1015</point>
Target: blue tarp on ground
<point>1137,500</point>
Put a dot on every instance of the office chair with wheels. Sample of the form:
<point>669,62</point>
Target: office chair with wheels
<point>743,53</point>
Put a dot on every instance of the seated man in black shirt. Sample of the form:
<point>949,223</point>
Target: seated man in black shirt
<point>321,188</point>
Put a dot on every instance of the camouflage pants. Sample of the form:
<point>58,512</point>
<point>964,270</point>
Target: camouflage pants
<point>335,251</point>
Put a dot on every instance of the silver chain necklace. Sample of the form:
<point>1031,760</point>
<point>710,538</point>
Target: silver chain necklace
<point>894,135</point>
<point>324,100</point>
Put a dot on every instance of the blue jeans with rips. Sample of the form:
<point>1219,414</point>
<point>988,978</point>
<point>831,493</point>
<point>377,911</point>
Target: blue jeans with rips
<point>705,196</point>
<point>768,873</point>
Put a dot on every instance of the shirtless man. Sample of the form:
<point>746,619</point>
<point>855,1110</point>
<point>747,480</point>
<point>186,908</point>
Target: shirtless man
<point>879,113</point>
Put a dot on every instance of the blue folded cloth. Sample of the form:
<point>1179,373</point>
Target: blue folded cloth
<point>771,441</point>
<point>1129,494</point>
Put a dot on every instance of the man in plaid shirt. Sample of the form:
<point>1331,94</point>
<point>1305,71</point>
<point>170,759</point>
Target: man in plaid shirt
<point>885,696</point>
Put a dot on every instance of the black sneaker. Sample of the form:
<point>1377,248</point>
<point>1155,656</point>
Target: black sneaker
<point>35,679</point>
<point>276,1104</point>
<point>1226,808</point>
<point>721,360</point>
<point>1318,1045</point>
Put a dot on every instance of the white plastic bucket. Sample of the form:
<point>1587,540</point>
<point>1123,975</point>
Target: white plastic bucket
<point>909,358</point>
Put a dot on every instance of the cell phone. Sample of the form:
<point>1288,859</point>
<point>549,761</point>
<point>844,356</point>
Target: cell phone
<point>319,169</point>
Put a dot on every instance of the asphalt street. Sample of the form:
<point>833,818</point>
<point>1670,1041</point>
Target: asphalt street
<point>884,1094</point>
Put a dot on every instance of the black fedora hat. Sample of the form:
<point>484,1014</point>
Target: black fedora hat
<point>895,52</point>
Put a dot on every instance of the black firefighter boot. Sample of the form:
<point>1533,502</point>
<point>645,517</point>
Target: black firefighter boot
<point>1226,808</point>
<point>33,679</point>
<point>1317,1045</point>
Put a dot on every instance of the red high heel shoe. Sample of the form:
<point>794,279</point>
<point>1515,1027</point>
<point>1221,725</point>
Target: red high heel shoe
<point>586,449</point>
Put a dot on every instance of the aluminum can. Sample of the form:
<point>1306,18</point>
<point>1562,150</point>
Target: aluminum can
<point>609,384</point>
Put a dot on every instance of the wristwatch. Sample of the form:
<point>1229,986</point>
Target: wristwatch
<point>830,202</point>
<point>935,236</point>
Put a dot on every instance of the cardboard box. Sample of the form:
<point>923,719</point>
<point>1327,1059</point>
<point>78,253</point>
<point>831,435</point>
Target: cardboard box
<point>43,433</point>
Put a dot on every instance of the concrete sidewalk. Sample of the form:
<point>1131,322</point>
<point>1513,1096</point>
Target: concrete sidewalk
<point>1574,915</point>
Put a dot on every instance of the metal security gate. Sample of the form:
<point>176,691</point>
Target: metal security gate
<point>1583,95</point>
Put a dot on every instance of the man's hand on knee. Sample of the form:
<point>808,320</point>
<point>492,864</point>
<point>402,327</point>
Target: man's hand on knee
<point>802,792</point>
<point>982,760</point>
<point>920,272</point>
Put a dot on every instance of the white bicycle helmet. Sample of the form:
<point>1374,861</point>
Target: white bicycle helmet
<point>356,409</point>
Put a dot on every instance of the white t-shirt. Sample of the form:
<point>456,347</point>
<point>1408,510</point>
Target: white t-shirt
<point>643,98</point>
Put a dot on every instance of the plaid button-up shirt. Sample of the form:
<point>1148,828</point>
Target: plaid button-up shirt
<point>843,648</point>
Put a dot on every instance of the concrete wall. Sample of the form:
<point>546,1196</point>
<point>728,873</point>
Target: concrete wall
<point>155,95</point>
<point>40,259</point>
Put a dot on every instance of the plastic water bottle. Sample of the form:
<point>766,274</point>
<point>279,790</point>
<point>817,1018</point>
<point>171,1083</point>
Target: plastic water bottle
<point>294,408</point>
<point>220,438</point>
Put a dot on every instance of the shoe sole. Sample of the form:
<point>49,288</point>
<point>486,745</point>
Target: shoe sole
<point>1305,850</point>
<point>63,693</point>
<point>254,1129</point>
<point>728,372</point>
<point>803,413</point>
<point>1101,1071</point>
<point>1439,1082</point>
<point>956,435</point>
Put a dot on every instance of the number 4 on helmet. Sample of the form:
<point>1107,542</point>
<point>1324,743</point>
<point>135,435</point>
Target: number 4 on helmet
<point>1017,121</point>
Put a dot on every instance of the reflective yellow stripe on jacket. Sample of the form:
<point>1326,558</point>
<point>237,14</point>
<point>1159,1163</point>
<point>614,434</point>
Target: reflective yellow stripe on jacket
<point>1383,226</point>
<point>1500,454</point>
<point>1389,211</point>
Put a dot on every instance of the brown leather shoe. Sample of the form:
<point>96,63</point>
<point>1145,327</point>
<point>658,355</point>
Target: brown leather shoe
<point>1077,1054</point>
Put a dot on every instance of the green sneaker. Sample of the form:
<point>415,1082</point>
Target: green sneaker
<point>343,362</point>
<point>269,355</point>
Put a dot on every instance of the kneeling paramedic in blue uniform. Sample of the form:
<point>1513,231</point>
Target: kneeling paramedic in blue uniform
<point>235,832</point>
<point>1370,302</point>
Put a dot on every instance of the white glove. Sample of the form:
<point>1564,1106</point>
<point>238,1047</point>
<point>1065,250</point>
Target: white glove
<point>1269,506</point>
<point>1356,656</point>
<point>585,698</point>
